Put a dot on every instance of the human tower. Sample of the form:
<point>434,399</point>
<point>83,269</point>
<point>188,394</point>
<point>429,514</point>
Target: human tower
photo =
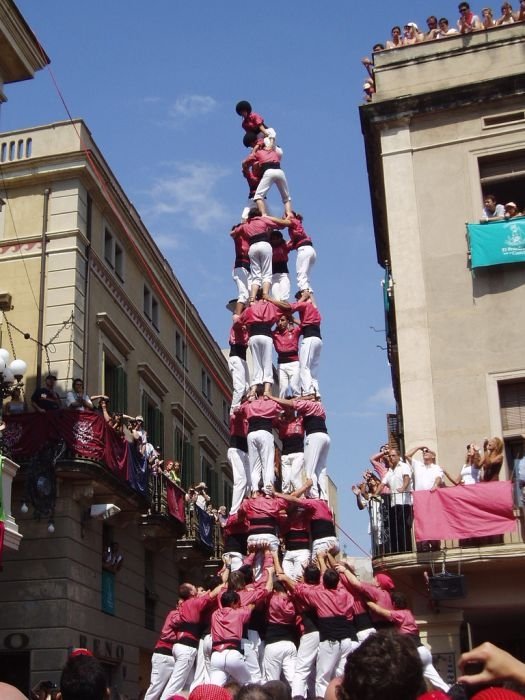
<point>282,606</point>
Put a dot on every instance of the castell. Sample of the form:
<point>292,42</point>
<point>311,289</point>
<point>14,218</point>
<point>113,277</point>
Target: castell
<point>281,608</point>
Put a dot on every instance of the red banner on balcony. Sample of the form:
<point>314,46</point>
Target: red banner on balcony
<point>460,512</point>
<point>175,499</point>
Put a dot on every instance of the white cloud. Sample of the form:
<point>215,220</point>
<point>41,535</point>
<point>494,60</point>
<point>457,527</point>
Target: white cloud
<point>189,192</point>
<point>383,397</point>
<point>190,106</point>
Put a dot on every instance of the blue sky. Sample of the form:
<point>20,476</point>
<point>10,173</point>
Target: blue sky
<point>157,85</point>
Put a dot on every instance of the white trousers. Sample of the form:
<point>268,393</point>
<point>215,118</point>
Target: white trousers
<point>309,358</point>
<point>305,666</point>
<point>306,257</point>
<point>184,659</point>
<point>238,461</point>
<point>202,666</point>
<point>228,664</point>
<point>273,176</point>
<point>316,448</point>
<point>292,466</point>
<point>240,379</point>
<point>293,561</point>
<point>250,649</point>
<point>289,379</point>
<point>241,278</point>
<point>161,670</point>
<point>260,255</point>
<point>236,560</point>
<point>331,659</point>
<point>261,454</point>
<point>325,544</point>
<point>281,286</point>
<point>279,657</point>
<point>429,670</point>
<point>364,634</point>
<point>261,347</point>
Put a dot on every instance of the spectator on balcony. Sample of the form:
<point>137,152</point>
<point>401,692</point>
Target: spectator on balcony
<point>468,22</point>
<point>172,471</point>
<point>16,405</point>
<point>46,398</point>
<point>507,15</point>
<point>444,29</point>
<point>492,211</point>
<point>511,210</point>
<point>203,498</point>
<point>222,516</point>
<point>399,480</point>
<point>433,28</point>
<point>380,461</point>
<point>397,39</point>
<point>77,399</point>
<point>469,473</point>
<point>492,459</point>
<point>521,13</point>
<point>487,19</point>
<point>367,495</point>
<point>411,34</point>
<point>427,475</point>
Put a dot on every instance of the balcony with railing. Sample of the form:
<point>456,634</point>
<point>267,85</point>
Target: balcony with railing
<point>463,524</point>
<point>104,467</point>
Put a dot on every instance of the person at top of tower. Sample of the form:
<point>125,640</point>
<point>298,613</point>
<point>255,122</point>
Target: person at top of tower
<point>265,160</point>
<point>252,122</point>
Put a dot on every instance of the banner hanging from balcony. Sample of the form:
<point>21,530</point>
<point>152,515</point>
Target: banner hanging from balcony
<point>206,523</point>
<point>175,499</point>
<point>461,512</point>
<point>87,436</point>
<point>497,242</point>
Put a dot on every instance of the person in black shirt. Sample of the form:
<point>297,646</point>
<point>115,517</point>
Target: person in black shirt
<point>46,398</point>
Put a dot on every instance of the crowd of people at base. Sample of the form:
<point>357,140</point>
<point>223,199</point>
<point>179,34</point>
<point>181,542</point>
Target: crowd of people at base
<point>386,491</point>
<point>494,211</point>
<point>259,624</point>
<point>467,23</point>
<point>386,665</point>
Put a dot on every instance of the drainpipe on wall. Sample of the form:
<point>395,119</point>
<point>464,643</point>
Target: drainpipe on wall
<point>40,334</point>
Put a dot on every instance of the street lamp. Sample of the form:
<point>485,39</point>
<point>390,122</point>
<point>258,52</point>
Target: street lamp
<point>11,373</point>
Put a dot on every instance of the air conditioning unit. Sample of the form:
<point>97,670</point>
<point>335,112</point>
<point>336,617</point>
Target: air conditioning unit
<point>447,586</point>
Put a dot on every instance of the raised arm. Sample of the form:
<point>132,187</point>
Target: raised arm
<point>379,609</point>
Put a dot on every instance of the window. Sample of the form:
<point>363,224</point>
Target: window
<point>503,175</point>
<point>512,410</point>
<point>211,479</point>
<point>185,454</point>
<point>115,384</point>
<point>206,384</point>
<point>153,421</point>
<point>225,412</point>
<point>113,254</point>
<point>181,350</point>
<point>150,597</point>
<point>151,308</point>
<point>227,494</point>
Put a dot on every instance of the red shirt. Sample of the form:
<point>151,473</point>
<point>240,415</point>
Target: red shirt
<point>320,510</point>
<point>238,335</point>
<point>252,122</point>
<point>404,620</point>
<point>290,427</point>
<point>235,525</point>
<point>255,227</point>
<point>242,246</point>
<point>191,613</point>
<point>280,253</point>
<point>262,508</point>
<point>227,624</point>
<point>168,633</point>
<point>287,341</point>
<point>299,516</point>
<point>327,602</point>
<point>297,234</point>
<point>261,311</point>
<point>309,408</point>
<point>262,156</point>
<point>308,313</point>
<point>280,610</point>
<point>260,408</point>
<point>238,424</point>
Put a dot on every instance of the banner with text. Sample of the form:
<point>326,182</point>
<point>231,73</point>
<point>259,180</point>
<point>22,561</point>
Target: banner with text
<point>497,242</point>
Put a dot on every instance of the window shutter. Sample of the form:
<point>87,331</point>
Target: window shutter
<point>512,403</point>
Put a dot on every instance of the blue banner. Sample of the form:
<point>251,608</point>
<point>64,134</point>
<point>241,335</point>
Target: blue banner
<point>497,242</point>
<point>206,523</point>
